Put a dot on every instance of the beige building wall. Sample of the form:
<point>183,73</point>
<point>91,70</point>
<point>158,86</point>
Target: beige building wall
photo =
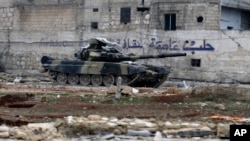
<point>30,29</point>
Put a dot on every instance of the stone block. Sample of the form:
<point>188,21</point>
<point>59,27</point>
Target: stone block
<point>146,90</point>
<point>223,130</point>
<point>4,134</point>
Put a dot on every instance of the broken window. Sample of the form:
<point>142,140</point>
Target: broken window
<point>94,25</point>
<point>195,62</point>
<point>170,22</point>
<point>95,9</point>
<point>125,15</point>
<point>245,20</point>
<point>230,27</point>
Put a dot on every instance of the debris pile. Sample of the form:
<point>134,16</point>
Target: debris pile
<point>108,128</point>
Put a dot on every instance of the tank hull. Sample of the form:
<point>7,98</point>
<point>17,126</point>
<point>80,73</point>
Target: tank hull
<point>92,72</point>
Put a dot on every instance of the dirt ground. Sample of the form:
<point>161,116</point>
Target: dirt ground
<point>44,102</point>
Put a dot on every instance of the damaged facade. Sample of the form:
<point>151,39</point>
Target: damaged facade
<point>214,33</point>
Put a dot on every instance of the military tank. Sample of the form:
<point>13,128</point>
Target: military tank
<point>101,62</point>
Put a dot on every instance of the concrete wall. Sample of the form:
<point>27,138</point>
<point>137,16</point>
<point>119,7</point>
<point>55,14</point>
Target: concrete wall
<point>230,17</point>
<point>224,54</point>
<point>240,4</point>
<point>33,28</point>
<point>187,13</point>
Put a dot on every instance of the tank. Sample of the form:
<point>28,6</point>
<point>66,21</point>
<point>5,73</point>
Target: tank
<point>101,62</point>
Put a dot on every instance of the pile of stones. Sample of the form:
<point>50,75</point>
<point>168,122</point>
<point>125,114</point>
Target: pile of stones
<point>104,128</point>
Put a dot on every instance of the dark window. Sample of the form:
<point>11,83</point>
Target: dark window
<point>95,9</point>
<point>94,25</point>
<point>170,22</point>
<point>195,62</point>
<point>125,15</point>
<point>200,19</point>
<point>245,20</point>
<point>230,27</point>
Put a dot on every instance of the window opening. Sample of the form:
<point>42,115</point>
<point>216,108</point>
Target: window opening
<point>170,22</point>
<point>95,9</point>
<point>94,25</point>
<point>125,15</point>
<point>230,27</point>
<point>195,62</point>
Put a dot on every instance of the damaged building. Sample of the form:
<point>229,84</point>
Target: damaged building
<point>214,33</point>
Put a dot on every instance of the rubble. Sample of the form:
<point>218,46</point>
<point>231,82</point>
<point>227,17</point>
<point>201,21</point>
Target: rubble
<point>109,128</point>
<point>181,115</point>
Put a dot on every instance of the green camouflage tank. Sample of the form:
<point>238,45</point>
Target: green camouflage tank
<point>101,62</point>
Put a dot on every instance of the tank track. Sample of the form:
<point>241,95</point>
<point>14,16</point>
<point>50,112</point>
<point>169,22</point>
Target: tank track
<point>138,80</point>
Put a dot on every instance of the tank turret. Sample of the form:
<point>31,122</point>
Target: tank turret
<point>98,51</point>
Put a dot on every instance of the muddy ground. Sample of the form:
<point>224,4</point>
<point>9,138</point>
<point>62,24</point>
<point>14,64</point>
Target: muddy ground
<point>22,103</point>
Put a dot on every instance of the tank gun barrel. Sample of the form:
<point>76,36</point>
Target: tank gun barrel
<point>163,55</point>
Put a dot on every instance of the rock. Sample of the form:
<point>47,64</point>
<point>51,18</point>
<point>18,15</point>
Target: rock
<point>220,107</point>
<point>41,131</point>
<point>108,137</point>
<point>18,80</point>
<point>111,89</point>
<point>185,91</point>
<point>113,119</point>
<point>146,90</point>
<point>223,130</point>
<point>111,124</point>
<point>69,120</point>
<point>121,129</point>
<point>4,134</point>
<point>2,85</point>
<point>49,125</point>
<point>58,123</point>
<point>117,132</point>
<point>134,91</point>
<point>195,133</point>
<point>128,90</point>
<point>171,90</point>
<point>212,126</point>
<point>4,128</point>
<point>158,136</point>
<point>105,118</point>
<point>18,134</point>
<point>142,124</point>
<point>194,125</point>
<point>169,125</point>
<point>185,124</point>
<point>94,117</point>
<point>144,133</point>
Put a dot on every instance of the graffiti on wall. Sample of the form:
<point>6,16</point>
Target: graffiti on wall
<point>153,43</point>
<point>128,43</point>
<point>191,45</point>
<point>54,43</point>
<point>160,45</point>
<point>170,45</point>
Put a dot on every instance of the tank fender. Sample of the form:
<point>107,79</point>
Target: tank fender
<point>136,69</point>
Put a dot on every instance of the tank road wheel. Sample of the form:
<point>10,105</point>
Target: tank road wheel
<point>125,80</point>
<point>85,80</point>
<point>61,78</point>
<point>108,80</point>
<point>73,79</point>
<point>96,80</point>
